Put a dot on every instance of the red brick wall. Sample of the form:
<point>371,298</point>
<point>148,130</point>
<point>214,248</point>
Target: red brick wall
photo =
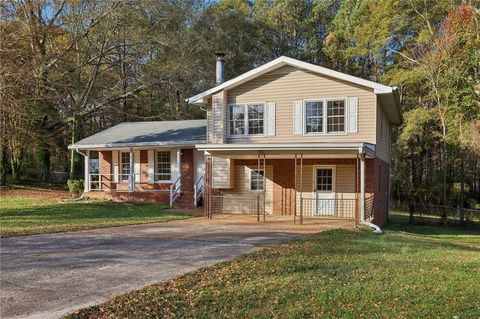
<point>145,197</point>
<point>105,167</point>
<point>121,189</point>
<point>377,184</point>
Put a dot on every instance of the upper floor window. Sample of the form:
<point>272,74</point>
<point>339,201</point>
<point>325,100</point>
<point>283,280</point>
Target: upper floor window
<point>163,166</point>
<point>246,119</point>
<point>324,116</point>
<point>314,117</point>
<point>336,116</point>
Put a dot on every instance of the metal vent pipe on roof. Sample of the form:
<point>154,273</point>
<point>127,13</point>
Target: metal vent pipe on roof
<point>220,67</point>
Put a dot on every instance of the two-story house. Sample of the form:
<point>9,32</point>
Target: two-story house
<point>287,137</point>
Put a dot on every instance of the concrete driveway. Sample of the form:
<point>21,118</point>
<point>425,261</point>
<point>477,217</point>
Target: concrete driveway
<point>47,276</point>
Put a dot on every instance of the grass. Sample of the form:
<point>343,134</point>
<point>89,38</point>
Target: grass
<point>23,214</point>
<point>408,272</point>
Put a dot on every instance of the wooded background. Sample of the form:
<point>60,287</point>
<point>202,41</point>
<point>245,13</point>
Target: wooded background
<point>71,68</point>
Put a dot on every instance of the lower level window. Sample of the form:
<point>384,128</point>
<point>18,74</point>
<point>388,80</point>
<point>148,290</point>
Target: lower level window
<point>256,180</point>
<point>324,179</point>
<point>125,166</point>
<point>164,167</point>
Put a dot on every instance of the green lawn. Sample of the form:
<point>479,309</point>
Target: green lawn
<point>408,272</point>
<point>22,215</point>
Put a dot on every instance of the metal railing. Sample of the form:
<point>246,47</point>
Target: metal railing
<point>115,182</point>
<point>326,208</point>
<point>423,212</point>
<point>237,205</point>
<point>198,190</point>
<point>175,190</point>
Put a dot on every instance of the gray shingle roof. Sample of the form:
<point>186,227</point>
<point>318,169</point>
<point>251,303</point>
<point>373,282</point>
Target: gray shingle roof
<point>139,134</point>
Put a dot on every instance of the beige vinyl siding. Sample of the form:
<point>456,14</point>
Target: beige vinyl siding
<point>222,172</point>
<point>209,123</point>
<point>382,141</point>
<point>344,181</point>
<point>241,187</point>
<point>219,117</point>
<point>289,84</point>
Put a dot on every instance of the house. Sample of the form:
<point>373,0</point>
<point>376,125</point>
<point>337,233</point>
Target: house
<point>287,137</point>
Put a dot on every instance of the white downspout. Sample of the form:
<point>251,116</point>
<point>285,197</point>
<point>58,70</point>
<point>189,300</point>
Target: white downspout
<point>131,175</point>
<point>363,221</point>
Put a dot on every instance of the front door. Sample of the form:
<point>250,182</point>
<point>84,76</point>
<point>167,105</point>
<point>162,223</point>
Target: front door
<point>325,190</point>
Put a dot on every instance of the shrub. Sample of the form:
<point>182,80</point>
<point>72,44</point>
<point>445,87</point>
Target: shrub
<point>75,186</point>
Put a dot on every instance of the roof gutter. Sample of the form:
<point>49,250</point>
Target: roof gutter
<point>129,145</point>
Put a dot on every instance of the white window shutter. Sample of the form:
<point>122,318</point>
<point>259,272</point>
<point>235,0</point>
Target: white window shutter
<point>352,115</point>
<point>115,166</point>
<point>297,117</point>
<point>136,165</point>
<point>151,166</point>
<point>270,119</point>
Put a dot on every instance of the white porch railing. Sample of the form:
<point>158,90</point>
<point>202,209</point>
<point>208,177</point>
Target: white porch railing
<point>175,190</point>
<point>198,190</point>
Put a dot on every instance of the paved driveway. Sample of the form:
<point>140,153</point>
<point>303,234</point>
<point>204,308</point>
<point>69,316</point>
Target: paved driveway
<point>46,276</point>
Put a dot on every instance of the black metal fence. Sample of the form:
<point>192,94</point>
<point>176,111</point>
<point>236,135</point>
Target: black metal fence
<point>420,213</point>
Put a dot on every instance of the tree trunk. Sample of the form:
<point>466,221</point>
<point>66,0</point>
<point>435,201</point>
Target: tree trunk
<point>462,189</point>
<point>72,152</point>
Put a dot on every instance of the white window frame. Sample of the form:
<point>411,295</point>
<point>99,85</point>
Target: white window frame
<point>325,116</point>
<point>155,170</point>
<point>246,120</point>
<point>121,180</point>
<point>250,180</point>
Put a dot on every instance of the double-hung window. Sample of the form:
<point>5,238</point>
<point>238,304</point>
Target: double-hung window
<point>336,116</point>
<point>324,116</point>
<point>246,119</point>
<point>314,117</point>
<point>125,166</point>
<point>163,166</point>
<point>256,180</point>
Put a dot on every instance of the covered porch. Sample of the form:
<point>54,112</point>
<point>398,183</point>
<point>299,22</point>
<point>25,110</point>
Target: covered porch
<point>146,161</point>
<point>301,182</point>
<point>160,174</point>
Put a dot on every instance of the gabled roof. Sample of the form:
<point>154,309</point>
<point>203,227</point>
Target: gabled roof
<point>284,61</point>
<point>142,134</point>
<point>390,95</point>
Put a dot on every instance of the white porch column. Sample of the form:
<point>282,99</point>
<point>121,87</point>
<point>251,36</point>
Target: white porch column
<point>131,175</point>
<point>179,161</point>
<point>362,186</point>
<point>86,183</point>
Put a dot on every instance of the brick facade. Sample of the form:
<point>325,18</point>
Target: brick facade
<point>119,191</point>
<point>377,178</point>
<point>105,169</point>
